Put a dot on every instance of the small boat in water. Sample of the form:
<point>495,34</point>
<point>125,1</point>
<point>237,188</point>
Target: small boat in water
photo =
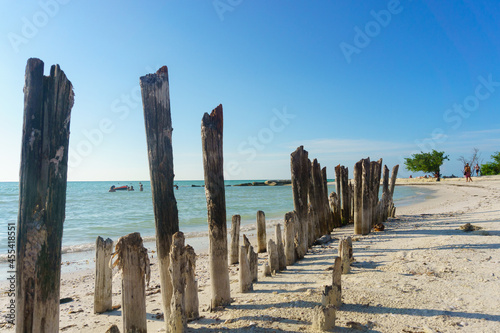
<point>120,188</point>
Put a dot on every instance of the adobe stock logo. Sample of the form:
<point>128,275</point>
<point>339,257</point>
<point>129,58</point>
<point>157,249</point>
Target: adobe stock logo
<point>31,27</point>
<point>363,37</point>
<point>222,6</point>
<point>249,148</point>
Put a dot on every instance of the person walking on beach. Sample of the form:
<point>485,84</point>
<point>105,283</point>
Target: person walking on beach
<point>467,173</point>
<point>477,168</point>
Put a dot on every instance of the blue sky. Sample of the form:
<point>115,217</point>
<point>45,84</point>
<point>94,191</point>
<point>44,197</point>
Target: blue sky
<point>347,80</point>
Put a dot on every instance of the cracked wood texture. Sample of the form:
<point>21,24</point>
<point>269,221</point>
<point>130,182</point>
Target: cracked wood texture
<point>42,196</point>
<point>300,169</point>
<point>358,198</point>
<point>158,123</point>
<point>211,138</point>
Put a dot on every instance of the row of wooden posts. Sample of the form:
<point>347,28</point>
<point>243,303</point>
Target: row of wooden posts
<point>43,176</point>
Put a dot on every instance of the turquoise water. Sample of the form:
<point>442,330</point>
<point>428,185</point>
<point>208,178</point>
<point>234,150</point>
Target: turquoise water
<point>92,211</point>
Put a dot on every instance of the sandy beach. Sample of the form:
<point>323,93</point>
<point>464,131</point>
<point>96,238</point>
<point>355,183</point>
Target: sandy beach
<point>422,274</point>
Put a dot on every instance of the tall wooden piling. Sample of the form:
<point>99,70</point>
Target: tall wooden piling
<point>132,258</point>
<point>103,300</point>
<point>316,192</point>
<point>42,196</point>
<point>344,190</point>
<point>211,136</point>
<point>338,190</point>
<point>385,180</point>
<point>235,239</point>
<point>300,168</point>
<point>290,218</point>
<point>326,204</point>
<point>367,198</point>
<point>375,174</point>
<point>358,198</point>
<point>261,231</point>
<point>394,175</point>
<point>158,123</point>
<point>385,195</point>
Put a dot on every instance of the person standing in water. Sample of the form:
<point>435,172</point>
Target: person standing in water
<point>141,188</point>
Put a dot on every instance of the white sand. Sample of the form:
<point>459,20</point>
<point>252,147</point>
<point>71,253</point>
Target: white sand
<point>422,274</point>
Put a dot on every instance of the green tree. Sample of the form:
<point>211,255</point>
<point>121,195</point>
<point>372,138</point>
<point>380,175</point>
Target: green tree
<point>426,162</point>
<point>492,168</point>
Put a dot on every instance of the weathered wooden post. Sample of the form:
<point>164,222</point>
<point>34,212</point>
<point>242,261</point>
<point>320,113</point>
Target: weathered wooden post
<point>132,258</point>
<point>394,175</point>
<point>290,223</point>
<point>326,204</point>
<point>385,180</point>
<point>334,201</point>
<point>261,232</point>
<point>324,318</point>
<point>158,124</point>
<point>281,249</point>
<point>385,194</point>
<point>191,297</point>
<point>300,179</point>
<point>344,255</point>
<point>346,200</point>
<point>375,174</point>
<point>358,198</point>
<point>245,275</point>
<point>103,300</point>
<point>273,256</point>
<point>266,270</point>
<point>338,190</point>
<point>337,282</point>
<point>42,196</point>
<point>177,321</point>
<point>213,162</point>
<point>367,198</point>
<point>317,201</point>
<point>235,239</point>
<point>253,259</point>
<point>351,201</point>
<point>312,225</point>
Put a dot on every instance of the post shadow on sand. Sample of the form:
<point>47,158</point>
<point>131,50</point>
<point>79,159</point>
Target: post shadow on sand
<point>360,308</point>
<point>149,316</point>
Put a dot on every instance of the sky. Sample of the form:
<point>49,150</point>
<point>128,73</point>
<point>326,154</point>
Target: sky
<point>345,79</point>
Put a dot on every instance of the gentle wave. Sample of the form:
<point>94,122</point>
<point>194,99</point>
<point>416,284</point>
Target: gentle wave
<point>92,211</point>
<point>87,247</point>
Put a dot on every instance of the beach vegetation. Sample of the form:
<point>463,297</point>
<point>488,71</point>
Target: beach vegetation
<point>493,167</point>
<point>426,162</point>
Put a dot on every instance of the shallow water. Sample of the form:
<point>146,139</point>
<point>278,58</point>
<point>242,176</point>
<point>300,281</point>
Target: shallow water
<point>92,211</point>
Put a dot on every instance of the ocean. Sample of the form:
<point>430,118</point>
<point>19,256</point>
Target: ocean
<point>92,211</point>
